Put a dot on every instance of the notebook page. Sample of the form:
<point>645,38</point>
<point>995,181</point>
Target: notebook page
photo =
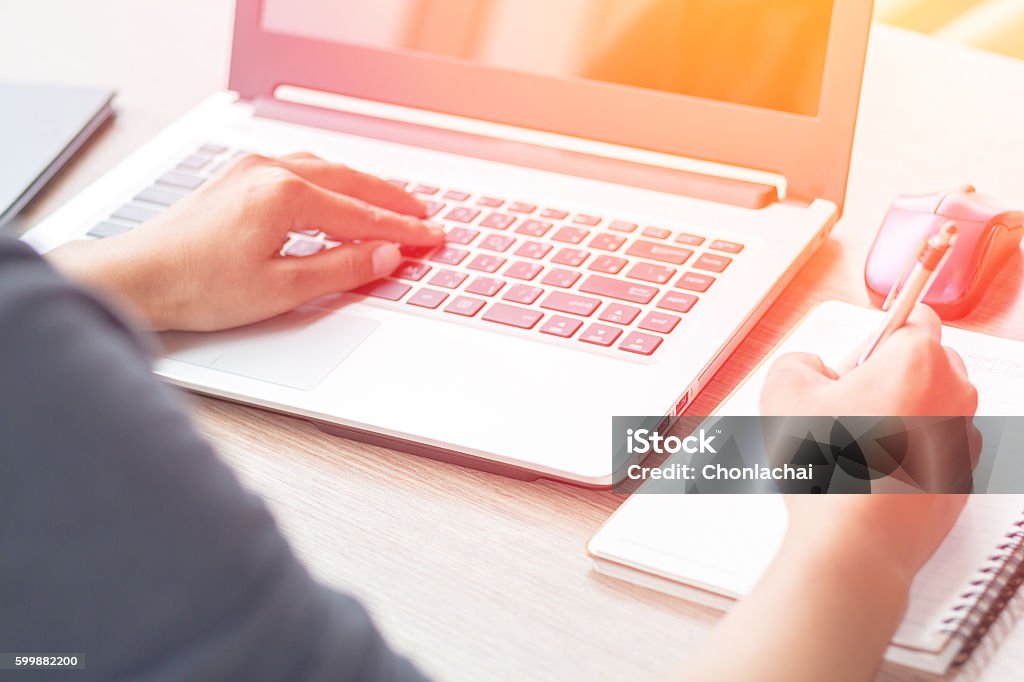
<point>946,577</point>
<point>720,543</point>
<point>724,543</point>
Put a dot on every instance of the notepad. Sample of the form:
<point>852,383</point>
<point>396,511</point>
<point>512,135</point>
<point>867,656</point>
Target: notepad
<point>712,549</point>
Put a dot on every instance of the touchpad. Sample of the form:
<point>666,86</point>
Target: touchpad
<point>297,349</point>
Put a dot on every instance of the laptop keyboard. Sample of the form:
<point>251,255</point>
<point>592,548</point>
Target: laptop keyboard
<point>577,277</point>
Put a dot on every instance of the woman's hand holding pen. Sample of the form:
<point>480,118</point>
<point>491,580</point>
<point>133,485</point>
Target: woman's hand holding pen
<point>910,374</point>
<point>843,572</point>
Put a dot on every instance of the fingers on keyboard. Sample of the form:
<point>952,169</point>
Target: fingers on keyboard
<point>573,277</point>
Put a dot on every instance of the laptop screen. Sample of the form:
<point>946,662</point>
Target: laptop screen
<point>767,54</point>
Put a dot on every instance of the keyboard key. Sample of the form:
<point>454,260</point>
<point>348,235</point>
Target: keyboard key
<point>622,226</point>
<point>426,189</point>
<point>642,344</point>
<point>434,207</point>
<point>522,293</point>
<point>657,232</point>
<point>619,314</point>
<point>689,239</point>
<point>213,149</point>
<point>449,279</point>
<point>608,264</point>
<point>490,202</point>
<point>498,221</point>
<point>155,195</point>
<point>659,252</point>
<point>678,302</point>
<point>427,298</point>
<point>461,235</point>
<point>400,184</point>
<point>570,303</point>
<point>486,263</point>
<point>497,242</point>
<point>134,214</point>
<point>535,250</point>
<point>600,334</point>
<point>415,252</point>
<point>563,327</point>
<point>534,228</point>
<point>560,278</point>
<point>386,289</point>
<point>728,247</point>
<point>456,195</point>
<point>194,162</point>
<point>554,214</point>
<point>106,229</point>
<point>449,256</point>
<point>573,257</point>
<point>712,262</point>
<point>607,242</point>
<point>695,281</point>
<point>513,316</point>
<point>462,214</point>
<point>179,179</point>
<point>521,207</point>
<point>411,270</point>
<point>659,322</point>
<point>616,288</point>
<point>649,272</point>
<point>524,270</point>
<point>588,220</point>
<point>303,247</point>
<point>485,286</point>
<point>464,306</point>
<point>572,235</point>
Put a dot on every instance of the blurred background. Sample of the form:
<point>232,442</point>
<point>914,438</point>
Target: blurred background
<point>164,57</point>
<point>996,25</point>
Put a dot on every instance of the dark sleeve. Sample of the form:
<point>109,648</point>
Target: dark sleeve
<point>122,536</point>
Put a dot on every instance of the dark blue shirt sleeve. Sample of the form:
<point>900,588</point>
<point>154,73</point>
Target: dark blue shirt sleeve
<point>123,537</point>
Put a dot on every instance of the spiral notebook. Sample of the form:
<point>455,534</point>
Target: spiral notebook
<point>721,544</point>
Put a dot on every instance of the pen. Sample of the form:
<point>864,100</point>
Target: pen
<point>924,267</point>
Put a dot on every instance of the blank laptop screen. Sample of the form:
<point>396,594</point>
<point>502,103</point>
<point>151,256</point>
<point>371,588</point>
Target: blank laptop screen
<point>761,53</point>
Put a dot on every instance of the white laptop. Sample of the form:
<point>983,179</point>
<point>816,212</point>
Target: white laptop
<point>627,186</point>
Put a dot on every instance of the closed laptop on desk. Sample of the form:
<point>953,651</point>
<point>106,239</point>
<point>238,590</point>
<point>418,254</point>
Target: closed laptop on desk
<point>625,191</point>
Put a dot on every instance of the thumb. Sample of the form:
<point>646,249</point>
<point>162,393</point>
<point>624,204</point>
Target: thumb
<point>342,268</point>
<point>791,384</point>
<point>806,365</point>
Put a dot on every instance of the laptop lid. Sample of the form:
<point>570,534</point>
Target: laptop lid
<point>771,85</point>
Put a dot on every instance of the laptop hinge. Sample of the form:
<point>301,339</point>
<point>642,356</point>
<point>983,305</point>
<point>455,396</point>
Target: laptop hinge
<point>736,192</point>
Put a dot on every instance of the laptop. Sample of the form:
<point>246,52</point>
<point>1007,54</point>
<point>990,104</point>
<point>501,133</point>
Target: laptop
<point>626,187</point>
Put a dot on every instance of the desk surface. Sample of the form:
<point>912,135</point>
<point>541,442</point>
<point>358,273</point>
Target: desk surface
<point>475,576</point>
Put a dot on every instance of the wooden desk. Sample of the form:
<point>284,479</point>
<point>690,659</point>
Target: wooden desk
<point>479,577</point>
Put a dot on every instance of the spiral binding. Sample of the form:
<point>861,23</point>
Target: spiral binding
<point>997,583</point>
